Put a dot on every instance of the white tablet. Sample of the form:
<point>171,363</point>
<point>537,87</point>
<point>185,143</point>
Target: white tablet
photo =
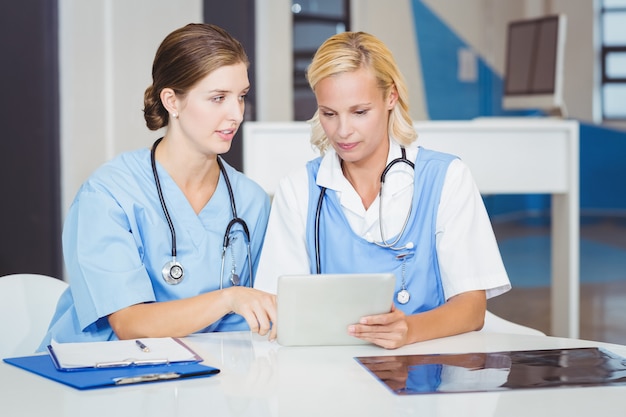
<point>316,310</point>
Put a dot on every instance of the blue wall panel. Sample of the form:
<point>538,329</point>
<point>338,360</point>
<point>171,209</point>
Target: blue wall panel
<point>602,168</point>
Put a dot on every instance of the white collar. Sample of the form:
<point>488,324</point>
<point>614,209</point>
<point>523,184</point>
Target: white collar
<point>330,174</point>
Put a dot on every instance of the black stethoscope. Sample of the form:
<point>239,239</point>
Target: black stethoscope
<point>173,272</point>
<point>403,295</point>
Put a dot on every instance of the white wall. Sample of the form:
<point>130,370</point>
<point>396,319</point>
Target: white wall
<point>394,26</point>
<point>106,52</point>
<point>274,62</point>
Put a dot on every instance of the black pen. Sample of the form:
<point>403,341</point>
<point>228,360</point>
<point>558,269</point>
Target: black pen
<point>143,347</point>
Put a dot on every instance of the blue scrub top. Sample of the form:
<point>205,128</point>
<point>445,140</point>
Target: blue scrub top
<point>116,241</point>
<point>343,251</point>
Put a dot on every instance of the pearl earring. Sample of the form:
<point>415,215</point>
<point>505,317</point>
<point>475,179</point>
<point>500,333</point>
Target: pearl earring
<point>175,115</point>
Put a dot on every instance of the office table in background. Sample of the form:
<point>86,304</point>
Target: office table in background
<point>524,155</point>
<point>263,379</point>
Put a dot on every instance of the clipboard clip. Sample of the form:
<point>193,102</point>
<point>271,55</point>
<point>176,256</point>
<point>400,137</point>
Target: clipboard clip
<point>163,376</point>
<point>146,378</point>
<point>132,362</point>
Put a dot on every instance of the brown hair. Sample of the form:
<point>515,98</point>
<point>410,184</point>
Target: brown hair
<point>185,57</point>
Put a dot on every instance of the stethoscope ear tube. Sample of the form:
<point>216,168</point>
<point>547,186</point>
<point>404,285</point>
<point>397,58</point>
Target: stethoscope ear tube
<point>233,222</point>
<point>402,159</point>
<point>320,200</point>
<point>173,272</point>
<point>384,243</point>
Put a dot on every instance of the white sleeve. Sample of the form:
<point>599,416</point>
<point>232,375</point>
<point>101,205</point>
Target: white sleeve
<point>284,249</point>
<point>469,257</point>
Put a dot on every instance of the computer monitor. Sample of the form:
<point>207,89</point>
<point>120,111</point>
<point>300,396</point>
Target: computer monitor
<point>533,76</point>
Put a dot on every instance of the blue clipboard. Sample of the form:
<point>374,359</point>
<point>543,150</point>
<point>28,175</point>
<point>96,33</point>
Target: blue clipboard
<point>111,377</point>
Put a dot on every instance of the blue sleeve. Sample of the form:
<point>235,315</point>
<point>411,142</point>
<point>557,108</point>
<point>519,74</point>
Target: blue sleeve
<point>103,257</point>
<point>258,236</point>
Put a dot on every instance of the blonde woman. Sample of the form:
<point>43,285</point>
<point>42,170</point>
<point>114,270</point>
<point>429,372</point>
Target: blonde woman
<point>376,202</point>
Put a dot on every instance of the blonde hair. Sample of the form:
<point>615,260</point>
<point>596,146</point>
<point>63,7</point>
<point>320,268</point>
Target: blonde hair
<point>348,52</point>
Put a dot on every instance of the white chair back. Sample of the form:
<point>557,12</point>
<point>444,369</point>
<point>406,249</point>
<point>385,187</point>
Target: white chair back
<point>496,324</point>
<point>27,304</point>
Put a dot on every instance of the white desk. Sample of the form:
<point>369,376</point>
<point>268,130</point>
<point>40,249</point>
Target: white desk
<point>506,156</point>
<point>262,379</point>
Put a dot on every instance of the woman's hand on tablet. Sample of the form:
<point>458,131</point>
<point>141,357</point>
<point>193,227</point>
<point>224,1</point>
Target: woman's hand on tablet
<point>462,313</point>
<point>389,330</point>
<point>258,308</point>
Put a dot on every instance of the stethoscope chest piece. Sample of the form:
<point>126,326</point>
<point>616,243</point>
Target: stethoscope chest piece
<point>403,296</point>
<point>173,272</point>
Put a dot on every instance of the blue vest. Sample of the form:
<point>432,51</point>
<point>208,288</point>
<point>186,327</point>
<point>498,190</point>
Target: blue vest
<point>342,251</point>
